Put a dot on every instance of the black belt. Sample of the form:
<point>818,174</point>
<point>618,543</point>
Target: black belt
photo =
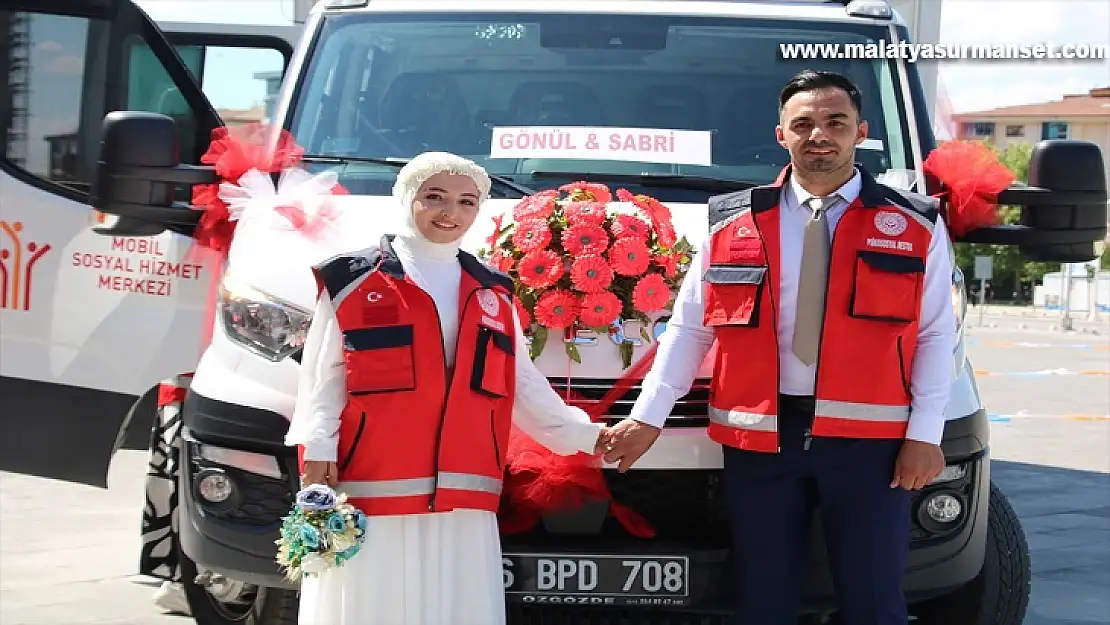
<point>797,405</point>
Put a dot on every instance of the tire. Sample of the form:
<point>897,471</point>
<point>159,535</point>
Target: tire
<point>999,595</point>
<point>268,606</point>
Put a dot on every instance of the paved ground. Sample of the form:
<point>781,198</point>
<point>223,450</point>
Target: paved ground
<point>67,553</point>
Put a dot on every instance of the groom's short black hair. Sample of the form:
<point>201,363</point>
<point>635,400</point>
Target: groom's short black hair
<point>811,79</point>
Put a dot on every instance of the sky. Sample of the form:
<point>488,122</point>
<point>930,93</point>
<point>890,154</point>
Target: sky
<point>970,85</point>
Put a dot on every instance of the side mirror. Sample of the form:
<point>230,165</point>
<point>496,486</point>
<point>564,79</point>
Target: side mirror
<point>138,173</point>
<point>1063,208</point>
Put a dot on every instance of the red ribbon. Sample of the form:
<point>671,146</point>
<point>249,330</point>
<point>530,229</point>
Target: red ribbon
<point>539,481</point>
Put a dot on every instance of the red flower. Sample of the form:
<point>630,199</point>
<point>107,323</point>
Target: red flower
<point>585,238</point>
<point>539,206</point>
<point>625,226</point>
<point>651,293</point>
<point>669,263</point>
<point>540,269</point>
<point>580,191</point>
<point>629,257</point>
<point>531,234</point>
<point>600,309</point>
<point>501,261</point>
<point>591,274</point>
<point>658,214</point>
<point>585,212</point>
<point>557,309</point>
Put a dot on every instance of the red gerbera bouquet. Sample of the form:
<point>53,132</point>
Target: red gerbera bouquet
<point>577,264</point>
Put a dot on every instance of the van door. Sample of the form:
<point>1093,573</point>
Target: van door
<point>90,318</point>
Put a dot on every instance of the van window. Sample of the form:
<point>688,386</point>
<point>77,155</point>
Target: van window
<point>376,88</point>
<point>41,99</point>
<point>240,82</point>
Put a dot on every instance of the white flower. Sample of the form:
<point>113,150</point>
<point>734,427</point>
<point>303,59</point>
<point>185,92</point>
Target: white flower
<point>341,542</point>
<point>314,563</point>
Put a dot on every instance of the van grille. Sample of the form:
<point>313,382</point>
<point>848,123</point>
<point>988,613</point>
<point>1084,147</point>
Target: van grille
<point>689,411</point>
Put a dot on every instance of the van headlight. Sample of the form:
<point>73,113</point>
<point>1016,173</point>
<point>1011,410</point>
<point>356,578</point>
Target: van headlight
<point>959,296</point>
<point>263,324</point>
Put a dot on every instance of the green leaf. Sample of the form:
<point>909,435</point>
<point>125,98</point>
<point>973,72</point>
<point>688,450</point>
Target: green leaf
<point>626,354</point>
<point>539,339</point>
<point>644,333</point>
<point>572,352</point>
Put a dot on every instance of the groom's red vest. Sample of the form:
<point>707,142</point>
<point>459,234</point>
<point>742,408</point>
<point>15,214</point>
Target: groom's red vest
<point>415,436</point>
<point>876,279</point>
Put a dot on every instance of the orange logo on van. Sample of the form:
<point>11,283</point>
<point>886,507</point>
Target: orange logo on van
<point>17,266</point>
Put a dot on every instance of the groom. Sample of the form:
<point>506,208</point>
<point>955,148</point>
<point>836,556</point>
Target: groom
<point>833,365</point>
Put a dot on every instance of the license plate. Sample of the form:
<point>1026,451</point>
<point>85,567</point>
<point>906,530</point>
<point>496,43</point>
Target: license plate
<point>596,579</point>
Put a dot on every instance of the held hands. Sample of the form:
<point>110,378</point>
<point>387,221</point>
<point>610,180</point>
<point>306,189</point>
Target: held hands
<point>320,472</point>
<point>918,464</point>
<point>626,442</point>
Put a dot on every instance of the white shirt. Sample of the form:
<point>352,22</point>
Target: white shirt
<point>322,390</point>
<point>684,345</point>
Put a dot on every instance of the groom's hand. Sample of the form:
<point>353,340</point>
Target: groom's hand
<point>628,440</point>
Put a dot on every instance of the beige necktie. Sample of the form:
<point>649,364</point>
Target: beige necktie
<point>811,284</point>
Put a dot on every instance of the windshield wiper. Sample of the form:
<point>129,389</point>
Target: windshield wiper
<point>398,163</point>
<point>654,179</point>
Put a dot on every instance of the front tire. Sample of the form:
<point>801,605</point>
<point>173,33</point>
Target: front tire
<point>999,595</point>
<point>258,606</point>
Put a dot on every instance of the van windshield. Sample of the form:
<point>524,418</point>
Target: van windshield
<point>541,99</point>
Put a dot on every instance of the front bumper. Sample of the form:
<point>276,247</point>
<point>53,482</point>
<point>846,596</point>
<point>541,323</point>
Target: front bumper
<point>236,538</point>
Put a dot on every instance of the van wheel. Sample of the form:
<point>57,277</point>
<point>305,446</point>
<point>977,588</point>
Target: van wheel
<point>999,595</point>
<point>250,605</point>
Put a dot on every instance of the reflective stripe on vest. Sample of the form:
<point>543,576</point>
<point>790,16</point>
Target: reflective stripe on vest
<point>744,420</point>
<point>378,489</point>
<point>824,408</point>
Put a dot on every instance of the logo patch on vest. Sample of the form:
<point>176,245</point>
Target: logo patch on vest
<point>487,299</point>
<point>891,224</point>
<point>743,249</point>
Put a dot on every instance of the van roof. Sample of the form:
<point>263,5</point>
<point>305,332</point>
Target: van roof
<point>817,10</point>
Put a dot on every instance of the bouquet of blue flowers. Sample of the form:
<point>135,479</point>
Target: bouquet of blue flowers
<point>322,531</point>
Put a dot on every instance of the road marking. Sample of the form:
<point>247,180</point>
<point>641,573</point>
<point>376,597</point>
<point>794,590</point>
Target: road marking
<point>1032,345</point>
<point>983,373</point>
<point>1022,414</point>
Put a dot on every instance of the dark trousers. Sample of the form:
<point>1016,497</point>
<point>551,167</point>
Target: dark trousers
<point>770,499</point>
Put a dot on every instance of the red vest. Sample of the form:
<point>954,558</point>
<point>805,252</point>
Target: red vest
<point>876,278</point>
<point>415,436</point>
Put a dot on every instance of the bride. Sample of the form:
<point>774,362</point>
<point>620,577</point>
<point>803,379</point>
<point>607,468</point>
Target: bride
<point>413,370</point>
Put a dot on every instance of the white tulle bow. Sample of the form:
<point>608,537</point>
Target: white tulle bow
<point>300,201</point>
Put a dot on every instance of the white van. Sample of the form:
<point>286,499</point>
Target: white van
<point>389,79</point>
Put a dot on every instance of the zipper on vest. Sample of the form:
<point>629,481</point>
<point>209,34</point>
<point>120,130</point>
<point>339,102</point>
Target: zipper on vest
<point>775,325</point>
<point>493,434</point>
<point>902,367</point>
<point>447,392</point>
<point>354,443</point>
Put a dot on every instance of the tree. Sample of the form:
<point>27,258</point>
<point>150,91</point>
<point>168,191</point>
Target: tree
<point>1010,270</point>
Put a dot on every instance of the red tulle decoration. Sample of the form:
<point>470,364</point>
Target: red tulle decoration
<point>974,177</point>
<point>234,152</point>
<point>540,482</point>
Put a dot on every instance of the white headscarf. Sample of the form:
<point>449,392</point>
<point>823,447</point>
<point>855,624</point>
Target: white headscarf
<point>417,171</point>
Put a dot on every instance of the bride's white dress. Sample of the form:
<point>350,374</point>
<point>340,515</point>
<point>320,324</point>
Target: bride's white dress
<point>428,569</point>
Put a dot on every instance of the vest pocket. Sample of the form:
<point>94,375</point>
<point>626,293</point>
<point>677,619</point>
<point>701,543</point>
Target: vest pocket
<point>733,294</point>
<point>491,358</point>
<point>887,287</point>
<point>379,360</point>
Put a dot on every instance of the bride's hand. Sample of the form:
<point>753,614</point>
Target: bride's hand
<point>320,472</point>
